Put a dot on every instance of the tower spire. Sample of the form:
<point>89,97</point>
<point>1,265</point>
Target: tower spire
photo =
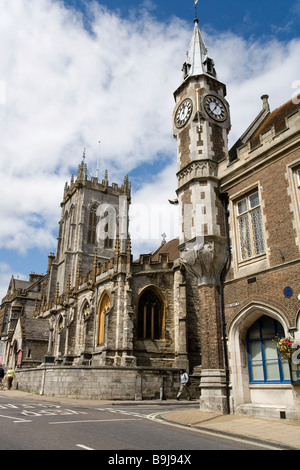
<point>197,60</point>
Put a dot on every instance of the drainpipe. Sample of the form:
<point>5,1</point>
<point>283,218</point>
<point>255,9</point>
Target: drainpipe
<point>224,198</point>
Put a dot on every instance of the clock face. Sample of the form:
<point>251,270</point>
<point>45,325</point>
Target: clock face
<point>215,108</point>
<point>183,113</point>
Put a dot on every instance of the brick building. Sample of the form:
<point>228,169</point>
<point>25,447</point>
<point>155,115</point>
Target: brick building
<point>261,178</point>
<point>211,301</point>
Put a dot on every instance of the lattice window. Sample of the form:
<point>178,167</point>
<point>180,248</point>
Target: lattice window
<point>250,226</point>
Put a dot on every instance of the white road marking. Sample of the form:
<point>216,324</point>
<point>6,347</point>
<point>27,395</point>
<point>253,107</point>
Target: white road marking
<point>130,413</point>
<point>94,421</point>
<point>17,420</point>
<point>84,447</point>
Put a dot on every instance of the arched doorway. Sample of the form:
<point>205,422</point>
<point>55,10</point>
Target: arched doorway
<point>257,374</point>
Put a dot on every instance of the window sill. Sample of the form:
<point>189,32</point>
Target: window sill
<point>270,385</point>
<point>148,340</point>
<point>252,260</point>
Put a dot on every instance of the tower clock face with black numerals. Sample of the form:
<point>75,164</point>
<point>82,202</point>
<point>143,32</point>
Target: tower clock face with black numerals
<point>215,108</point>
<point>183,113</point>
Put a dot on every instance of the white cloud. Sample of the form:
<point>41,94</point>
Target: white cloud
<point>252,69</point>
<point>151,214</point>
<point>64,88</point>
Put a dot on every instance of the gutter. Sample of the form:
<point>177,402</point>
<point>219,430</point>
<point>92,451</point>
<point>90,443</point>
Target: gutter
<point>225,199</point>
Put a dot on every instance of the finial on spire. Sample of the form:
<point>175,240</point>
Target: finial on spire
<point>195,6</point>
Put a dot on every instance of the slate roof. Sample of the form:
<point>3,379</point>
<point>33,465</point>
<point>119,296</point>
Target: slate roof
<point>170,247</point>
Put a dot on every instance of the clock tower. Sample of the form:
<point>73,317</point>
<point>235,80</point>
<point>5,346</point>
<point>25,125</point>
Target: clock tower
<point>201,122</point>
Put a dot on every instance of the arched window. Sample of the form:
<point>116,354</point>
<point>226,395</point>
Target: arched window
<point>108,242</point>
<point>71,229</point>
<point>92,225</point>
<point>264,362</point>
<point>150,316</point>
<point>109,227</point>
<point>104,306</point>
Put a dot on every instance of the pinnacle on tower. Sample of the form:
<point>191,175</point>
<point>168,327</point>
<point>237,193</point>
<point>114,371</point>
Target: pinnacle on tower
<point>197,60</point>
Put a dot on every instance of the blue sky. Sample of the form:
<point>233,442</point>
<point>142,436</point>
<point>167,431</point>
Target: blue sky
<point>249,18</point>
<point>76,72</point>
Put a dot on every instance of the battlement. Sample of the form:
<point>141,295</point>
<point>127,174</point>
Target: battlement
<point>93,183</point>
<point>146,261</point>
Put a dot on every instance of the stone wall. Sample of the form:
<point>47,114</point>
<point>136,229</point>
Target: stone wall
<point>100,383</point>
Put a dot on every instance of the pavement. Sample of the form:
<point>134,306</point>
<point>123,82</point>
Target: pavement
<point>273,433</point>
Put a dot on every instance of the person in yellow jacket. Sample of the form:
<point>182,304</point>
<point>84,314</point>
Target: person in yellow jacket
<point>10,375</point>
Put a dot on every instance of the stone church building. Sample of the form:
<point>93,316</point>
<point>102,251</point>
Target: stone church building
<point>102,325</point>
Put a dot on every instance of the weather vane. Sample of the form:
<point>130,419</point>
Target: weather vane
<point>195,6</point>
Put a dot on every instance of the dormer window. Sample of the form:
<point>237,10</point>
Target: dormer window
<point>186,69</point>
<point>209,66</point>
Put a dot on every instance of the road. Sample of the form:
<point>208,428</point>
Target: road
<point>34,425</point>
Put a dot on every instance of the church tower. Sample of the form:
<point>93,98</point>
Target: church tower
<point>201,122</point>
<point>94,220</point>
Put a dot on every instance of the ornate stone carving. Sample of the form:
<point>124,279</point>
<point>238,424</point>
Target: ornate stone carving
<point>205,258</point>
<point>198,169</point>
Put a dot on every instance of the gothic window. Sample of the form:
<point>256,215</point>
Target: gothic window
<point>71,228</point>
<point>108,241</point>
<point>5,314</point>
<point>150,316</point>
<point>264,362</point>
<point>103,308</point>
<point>250,227</point>
<point>13,320</point>
<point>60,324</point>
<point>65,225</point>
<point>92,225</point>
<point>86,311</point>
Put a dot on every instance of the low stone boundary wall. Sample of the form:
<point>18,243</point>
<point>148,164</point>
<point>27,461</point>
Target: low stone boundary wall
<point>99,383</point>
